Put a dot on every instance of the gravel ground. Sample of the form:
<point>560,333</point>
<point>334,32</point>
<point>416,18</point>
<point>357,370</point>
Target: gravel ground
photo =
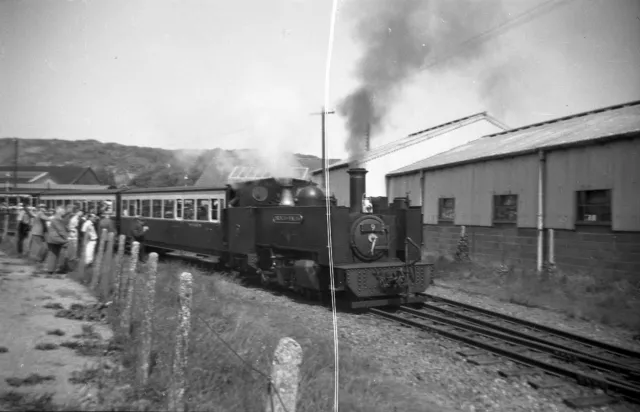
<point>426,360</point>
<point>594,330</point>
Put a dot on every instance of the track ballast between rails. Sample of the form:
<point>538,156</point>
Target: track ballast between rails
<point>613,369</point>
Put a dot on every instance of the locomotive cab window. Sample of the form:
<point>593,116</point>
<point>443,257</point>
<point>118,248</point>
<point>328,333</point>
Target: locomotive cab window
<point>446,209</point>
<point>505,208</point>
<point>594,207</point>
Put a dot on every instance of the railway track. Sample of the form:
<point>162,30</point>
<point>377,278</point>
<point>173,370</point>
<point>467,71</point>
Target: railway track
<point>542,353</point>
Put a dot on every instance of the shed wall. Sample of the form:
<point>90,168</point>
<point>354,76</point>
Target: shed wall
<point>612,166</point>
<point>473,187</point>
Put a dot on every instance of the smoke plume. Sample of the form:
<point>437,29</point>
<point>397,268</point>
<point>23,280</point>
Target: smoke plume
<point>399,38</point>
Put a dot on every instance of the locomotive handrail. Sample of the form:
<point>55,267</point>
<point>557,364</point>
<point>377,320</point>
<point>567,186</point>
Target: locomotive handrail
<point>408,241</point>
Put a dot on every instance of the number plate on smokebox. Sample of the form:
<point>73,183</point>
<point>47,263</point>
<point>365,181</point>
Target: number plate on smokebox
<point>386,278</point>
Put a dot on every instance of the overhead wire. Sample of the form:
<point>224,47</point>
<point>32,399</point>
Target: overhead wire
<point>505,26</point>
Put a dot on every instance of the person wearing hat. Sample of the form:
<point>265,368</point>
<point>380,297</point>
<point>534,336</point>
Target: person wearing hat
<point>91,237</point>
<point>138,231</point>
<point>38,246</point>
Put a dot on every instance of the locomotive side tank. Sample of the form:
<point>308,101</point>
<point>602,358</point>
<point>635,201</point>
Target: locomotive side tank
<point>286,243</point>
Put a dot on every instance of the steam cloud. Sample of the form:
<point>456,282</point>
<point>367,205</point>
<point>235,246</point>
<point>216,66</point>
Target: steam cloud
<point>399,37</point>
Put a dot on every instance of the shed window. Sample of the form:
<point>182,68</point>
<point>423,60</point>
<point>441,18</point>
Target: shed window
<point>156,208</point>
<point>505,208</point>
<point>594,206</point>
<point>446,209</point>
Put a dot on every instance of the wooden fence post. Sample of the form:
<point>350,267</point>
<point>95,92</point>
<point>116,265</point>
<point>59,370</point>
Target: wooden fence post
<point>130,287</point>
<point>119,264</point>
<point>285,372</point>
<point>5,228</point>
<point>83,256</point>
<point>147,320</point>
<point>178,381</point>
<point>107,275</point>
<point>98,262</point>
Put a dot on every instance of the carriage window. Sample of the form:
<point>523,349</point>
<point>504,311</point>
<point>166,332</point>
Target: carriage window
<point>132,207</point>
<point>146,208</point>
<point>189,213</point>
<point>157,209</point>
<point>203,209</point>
<point>168,209</point>
<point>124,209</point>
<point>215,209</point>
<point>108,206</point>
<point>138,207</point>
<point>179,209</point>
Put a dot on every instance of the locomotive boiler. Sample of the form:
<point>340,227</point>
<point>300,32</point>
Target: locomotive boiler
<point>279,230</point>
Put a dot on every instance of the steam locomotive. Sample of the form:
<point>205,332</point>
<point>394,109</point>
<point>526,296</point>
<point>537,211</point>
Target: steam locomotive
<point>278,229</point>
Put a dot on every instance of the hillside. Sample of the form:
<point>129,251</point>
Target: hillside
<point>121,164</point>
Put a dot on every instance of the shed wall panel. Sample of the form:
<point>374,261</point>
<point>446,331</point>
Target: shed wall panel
<point>339,185</point>
<point>611,166</point>
<point>400,185</point>
<point>474,185</point>
<point>626,183</point>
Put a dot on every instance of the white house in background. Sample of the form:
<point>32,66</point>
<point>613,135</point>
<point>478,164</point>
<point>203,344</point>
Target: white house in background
<point>417,146</point>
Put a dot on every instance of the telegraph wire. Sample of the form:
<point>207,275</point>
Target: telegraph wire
<point>505,26</point>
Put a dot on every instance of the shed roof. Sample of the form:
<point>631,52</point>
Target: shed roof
<point>60,174</point>
<point>590,127</point>
<point>418,137</point>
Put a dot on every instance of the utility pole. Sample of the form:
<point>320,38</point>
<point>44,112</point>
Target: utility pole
<point>323,115</point>
<point>15,165</point>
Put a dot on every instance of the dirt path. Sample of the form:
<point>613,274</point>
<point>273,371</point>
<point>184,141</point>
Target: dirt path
<point>25,323</point>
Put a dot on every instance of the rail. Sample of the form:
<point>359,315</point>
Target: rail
<point>587,362</point>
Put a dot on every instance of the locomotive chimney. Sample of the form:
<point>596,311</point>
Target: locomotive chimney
<point>357,187</point>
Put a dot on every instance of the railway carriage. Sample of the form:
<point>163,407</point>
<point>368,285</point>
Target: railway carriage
<point>179,218</point>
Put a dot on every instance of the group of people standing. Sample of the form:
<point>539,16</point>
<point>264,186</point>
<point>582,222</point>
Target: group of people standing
<point>57,235</point>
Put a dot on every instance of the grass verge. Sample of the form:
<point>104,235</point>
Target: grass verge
<point>219,380</point>
<point>598,295</point>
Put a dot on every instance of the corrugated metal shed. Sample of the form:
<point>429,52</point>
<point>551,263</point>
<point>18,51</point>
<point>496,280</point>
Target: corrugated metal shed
<point>602,124</point>
<point>417,137</point>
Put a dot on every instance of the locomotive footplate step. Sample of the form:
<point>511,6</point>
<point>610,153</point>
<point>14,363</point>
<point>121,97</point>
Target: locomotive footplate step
<point>481,361</point>
<point>590,401</point>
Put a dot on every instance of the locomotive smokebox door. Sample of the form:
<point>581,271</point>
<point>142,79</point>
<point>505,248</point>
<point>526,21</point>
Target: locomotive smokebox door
<point>369,238</point>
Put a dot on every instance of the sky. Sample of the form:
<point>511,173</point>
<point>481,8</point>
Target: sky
<point>250,73</point>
